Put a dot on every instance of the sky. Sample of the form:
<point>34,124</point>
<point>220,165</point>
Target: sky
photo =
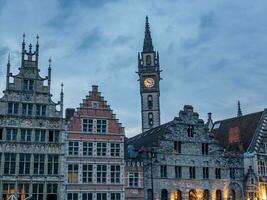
<point>212,52</point>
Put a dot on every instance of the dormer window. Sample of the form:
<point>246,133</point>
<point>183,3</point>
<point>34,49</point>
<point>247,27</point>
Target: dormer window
<point>148,60</point>
<point>150,119</point>
<point>149,101</point>
<point>28,85</point>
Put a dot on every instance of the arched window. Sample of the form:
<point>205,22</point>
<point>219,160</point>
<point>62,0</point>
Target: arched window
<point>190,131</point>
<point>192,195</point>
<point>164,194</point>
<point>232,195</point>
<point>218,195</point>
<point>149,194</point>
<point>148,60</point>
<point>149,101</point>
<point>206,195</point>
<point>178,195</point>
<point>150,119</point>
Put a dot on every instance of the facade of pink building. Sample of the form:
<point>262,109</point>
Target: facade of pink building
<point>95,151</point>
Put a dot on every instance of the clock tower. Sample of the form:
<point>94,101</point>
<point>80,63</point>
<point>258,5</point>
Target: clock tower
<point>149,77</point>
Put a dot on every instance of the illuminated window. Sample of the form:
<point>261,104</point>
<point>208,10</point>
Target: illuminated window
<point>218,195</point>
<point>8,189</point>
<point>73,173</point>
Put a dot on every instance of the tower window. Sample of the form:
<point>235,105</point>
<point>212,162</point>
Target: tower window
<point>148,60</point>
<point>149,101</point>
<point>150,119</point>
<point>190,131</point>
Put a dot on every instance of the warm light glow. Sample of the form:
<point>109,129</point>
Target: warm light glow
<point>263,192</point>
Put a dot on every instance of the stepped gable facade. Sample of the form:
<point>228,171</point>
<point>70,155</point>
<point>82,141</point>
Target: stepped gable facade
<point>95,151</point>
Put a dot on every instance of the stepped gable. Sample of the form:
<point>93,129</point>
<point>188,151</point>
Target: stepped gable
<point>95,106</point>
<point>236,134</point>
<point>151,137</point>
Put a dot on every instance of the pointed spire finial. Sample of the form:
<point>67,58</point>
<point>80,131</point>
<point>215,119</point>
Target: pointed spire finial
<point>148,46</point>
<point>8,62</point>
<point>23,38</point>
<point>62,85</point>
<point>37,38</point>
<point>239,112</point>
<point>49,63</point>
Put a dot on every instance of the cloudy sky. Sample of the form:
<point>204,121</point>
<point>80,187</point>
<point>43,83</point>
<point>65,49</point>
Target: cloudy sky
<point>212,52</point>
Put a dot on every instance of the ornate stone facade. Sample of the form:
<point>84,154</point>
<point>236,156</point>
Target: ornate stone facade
<point>182,160</point>
<point>31,133</point>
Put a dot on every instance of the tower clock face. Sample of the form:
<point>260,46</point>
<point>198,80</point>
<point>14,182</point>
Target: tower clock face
<point>149,82</point>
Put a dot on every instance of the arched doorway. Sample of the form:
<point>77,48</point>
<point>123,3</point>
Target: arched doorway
<point>232,195</point>
<point>218,195</point>
<point>164,194</point>
<point>206,195</point>
<point>192,195</point>
<point>178,195</point>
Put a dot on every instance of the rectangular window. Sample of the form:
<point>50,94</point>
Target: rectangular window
<point>178,172</point>
<point>177,146</point>
<point>115,196</point>
<point>40,110</point>
<point>190,131</point>
<point>205,149</point>
<point>28,85</point>
<point>10,163</point>
<point>133,179</point>
<point>72,196</point>
<point>101,126</point>
<point>38,191</point>
<point>53,136</point>
<point>38,163</point>
<point>87,196</point>
<point>115,172</point>
<point>87,173</point>
<point>101,196</point>
<point>205,172</point>
<point>115,149</point>
<point>8,189</point>
<point>87,148</point>
<point>53,164</point>
<point>26,135</point>
<point>87,125</point>
<point>24,163</point>
<point>11,134</point>
<point>27,109</point>
<point>51,189</point>
<point>39,135</point>
<point>163,171</point>
<point>73,148</point>
<point>101,173</point>
<point>101,149</point>
<point>217,173</point>
<point>232,173</point>
<point>13,108</point>
<point>192,172</point>
<point>73,173</point>
<point>23,190</point>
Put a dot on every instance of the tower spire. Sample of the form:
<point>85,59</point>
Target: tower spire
<point>7,71</point>
<point>239,112</point>
<point>23,49</point>
<point>49,74</point>
<point>148,46</point>
<point>61,98</point>
<point>37,49</point>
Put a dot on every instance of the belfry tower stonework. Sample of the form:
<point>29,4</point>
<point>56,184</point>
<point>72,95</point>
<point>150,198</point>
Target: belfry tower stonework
<point>149,77</point>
